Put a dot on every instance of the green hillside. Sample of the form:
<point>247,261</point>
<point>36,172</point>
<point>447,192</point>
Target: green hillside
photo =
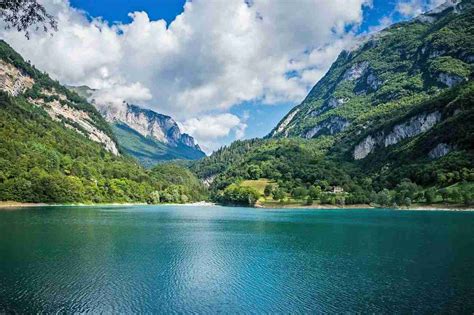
<point>56,159</point>
<point>150,151</point>
<point>389,124</point>
<point>386,74</point>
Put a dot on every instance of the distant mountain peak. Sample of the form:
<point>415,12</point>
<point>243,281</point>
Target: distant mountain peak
<point>148,124</point>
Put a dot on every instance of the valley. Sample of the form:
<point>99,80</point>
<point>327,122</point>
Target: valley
<point>389,125</point>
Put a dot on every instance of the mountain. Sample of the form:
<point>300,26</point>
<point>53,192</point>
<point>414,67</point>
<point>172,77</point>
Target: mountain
<point>385,74</point>
<point>390,122</point>
<point>144,134</point>
<point>55,147</point>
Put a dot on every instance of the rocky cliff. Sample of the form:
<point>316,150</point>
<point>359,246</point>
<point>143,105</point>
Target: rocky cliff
<point>408,129</point>
<point>59,105</point>
<point>148,123</point>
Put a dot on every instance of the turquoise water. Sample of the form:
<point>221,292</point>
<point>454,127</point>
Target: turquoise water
<point>213,259</point>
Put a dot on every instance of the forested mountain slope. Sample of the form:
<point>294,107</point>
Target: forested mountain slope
<point>391,122</point>
<point>56,147</point>
<point>387,73</point>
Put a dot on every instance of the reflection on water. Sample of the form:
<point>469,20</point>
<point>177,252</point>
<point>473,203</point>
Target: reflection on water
<point>211,259</point>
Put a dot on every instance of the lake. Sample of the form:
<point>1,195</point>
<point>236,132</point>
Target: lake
<point>186,259</point>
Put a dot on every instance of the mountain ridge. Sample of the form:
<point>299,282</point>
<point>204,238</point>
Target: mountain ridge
<point>416,63</point>
<point>160,138</point>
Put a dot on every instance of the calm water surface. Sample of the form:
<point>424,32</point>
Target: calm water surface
<point>213,259</point>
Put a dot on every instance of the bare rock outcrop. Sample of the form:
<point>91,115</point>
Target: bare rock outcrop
<point>330,126</point>
<point>77,120</point>
<point>410,128</point>
<point>12,80</point>
<point>356,71</point>
<point>439,151</point>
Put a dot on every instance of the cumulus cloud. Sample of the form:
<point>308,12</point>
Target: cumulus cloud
<point>214,55</point>
<point>208,128</point>
<point>411,8</point>
<point>116,95</point>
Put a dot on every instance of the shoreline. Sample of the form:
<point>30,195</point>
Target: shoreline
<point>12,205</point>
<point>416,207</point>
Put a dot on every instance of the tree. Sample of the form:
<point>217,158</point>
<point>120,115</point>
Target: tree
<point>467,196</point>
<point>184,198</point>
<point>430,195</point>
<point>23,14</point>
<point>444,194</point>
<point>254,171</point>
<point>383,198</point>
<point>268,190</point>
<point>315,192</point>
<point>406,189</point>
<point>455,195</point>
<point>278,194</point>
<point>299,193</point>
<point>154,198</point>
<point>240,195</point>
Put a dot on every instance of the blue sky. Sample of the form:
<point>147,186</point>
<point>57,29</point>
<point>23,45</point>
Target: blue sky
<point>225,69</point>
<point>118,10</point>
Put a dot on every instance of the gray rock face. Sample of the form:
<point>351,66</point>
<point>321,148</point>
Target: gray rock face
<point>281,127</point>
<point>187,140</point>
<point>413,127</point>
<point>329,126</point>
<point>330,104</point>
<point>356,71</point>
<point>436,53</point>
<point>446,5</point>
<point>374,82</point>
<point>439,151</point>
<point>69,115</point>
<point>364,148</point>
<point>449,79</point>
<point>426,19</point>
<point>148,123</point>
<point>12,80</point>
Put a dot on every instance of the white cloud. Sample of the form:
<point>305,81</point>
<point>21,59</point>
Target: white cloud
<point>216,54</point>
<point>208,128</point>
<point>116,95</point>
<point>411,8</point>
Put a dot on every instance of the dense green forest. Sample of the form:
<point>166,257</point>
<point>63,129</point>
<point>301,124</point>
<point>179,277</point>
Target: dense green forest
<point>41,160</point>
<point>307,170</point>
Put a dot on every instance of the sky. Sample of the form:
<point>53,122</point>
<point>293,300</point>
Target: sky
<point>223,69</point>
